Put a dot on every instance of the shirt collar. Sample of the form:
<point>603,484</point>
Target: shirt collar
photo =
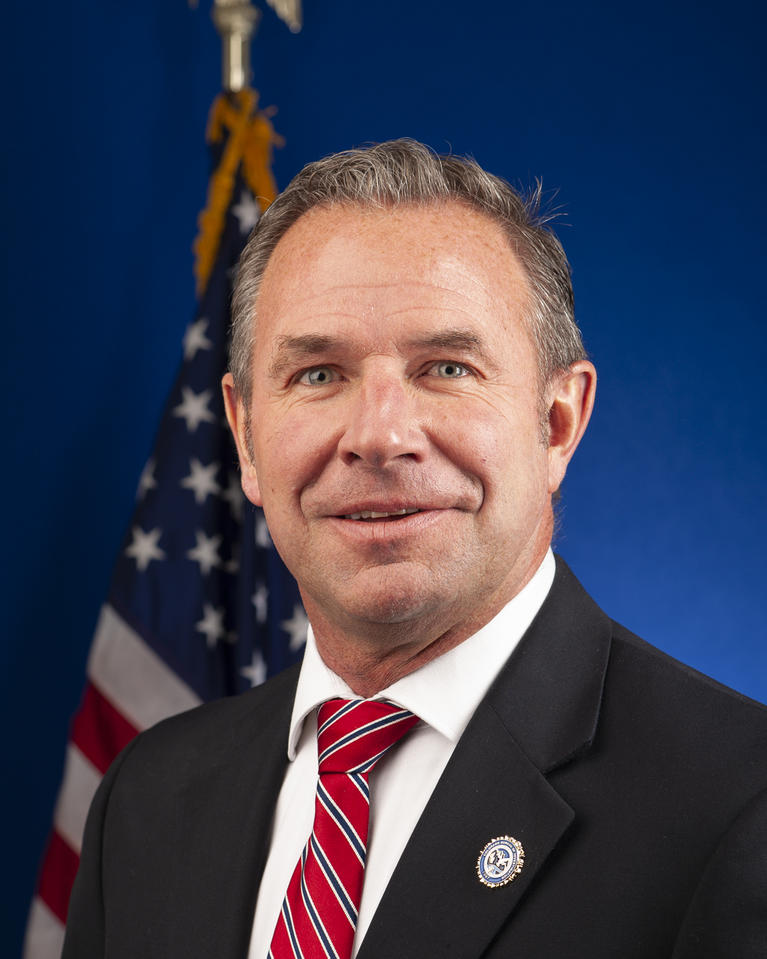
<point>445,692</point>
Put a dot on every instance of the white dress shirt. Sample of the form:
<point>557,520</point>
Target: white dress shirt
<point>444,694</point>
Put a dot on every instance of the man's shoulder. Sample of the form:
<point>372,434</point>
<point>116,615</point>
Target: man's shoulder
<point>681,683</point>
<point>683,724</point>
<point>638,658</point>
<point>214,730</point>
<point>648,699</point>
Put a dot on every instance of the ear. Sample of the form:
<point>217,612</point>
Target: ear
<point>570,400</point>
<point>237,417</point>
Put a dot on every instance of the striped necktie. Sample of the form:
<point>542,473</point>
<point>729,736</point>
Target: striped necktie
<point>319,914</point>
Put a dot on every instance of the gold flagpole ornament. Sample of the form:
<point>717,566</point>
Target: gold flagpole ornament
<point>289,11</point>
<point>236,121</point>
<point>236,21</point>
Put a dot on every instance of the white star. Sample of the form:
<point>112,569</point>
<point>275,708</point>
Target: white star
<point>144,547</point>
<point>296,626</point>
<point>195,338</point>
<point>263,538</point>
<point>201,479</point>
<point>146,480</point>
<point>212,624</point>
<point>205,551</point>
<point>256,672</point>
<point>259,601</point>
<point>194,408</point>
<point>233,495</point>
<point>247,212</point>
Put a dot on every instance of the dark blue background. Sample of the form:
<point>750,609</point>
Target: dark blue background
<point>647,119</point>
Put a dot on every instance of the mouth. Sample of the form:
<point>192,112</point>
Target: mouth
<point>369,515</point>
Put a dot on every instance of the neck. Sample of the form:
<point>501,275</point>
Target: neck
<point>370,657</point>
<point>367,669</point>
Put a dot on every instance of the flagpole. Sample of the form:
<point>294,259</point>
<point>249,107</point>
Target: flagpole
<point>236,22</point>
<point>200,605</point>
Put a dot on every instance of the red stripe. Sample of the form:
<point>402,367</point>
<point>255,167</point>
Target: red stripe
<point>57,876</point>
<point>98,730</point>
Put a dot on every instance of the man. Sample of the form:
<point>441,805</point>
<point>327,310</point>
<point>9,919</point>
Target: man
<point>408,386</point>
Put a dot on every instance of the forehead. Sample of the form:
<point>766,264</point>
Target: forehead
<point>408,261</point>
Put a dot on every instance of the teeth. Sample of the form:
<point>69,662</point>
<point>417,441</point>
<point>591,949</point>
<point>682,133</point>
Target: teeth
<point>372,514</point>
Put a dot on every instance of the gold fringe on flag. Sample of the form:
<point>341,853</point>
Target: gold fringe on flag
<point>249,145</point>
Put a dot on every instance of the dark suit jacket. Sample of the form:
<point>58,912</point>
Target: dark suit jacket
<point>637,787</point>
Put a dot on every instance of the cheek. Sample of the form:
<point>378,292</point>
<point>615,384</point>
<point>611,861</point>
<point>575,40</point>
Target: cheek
<point>512,466</point>
<point>289,456</point>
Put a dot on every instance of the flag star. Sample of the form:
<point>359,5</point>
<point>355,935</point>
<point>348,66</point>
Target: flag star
<point>144,547</point>
<point>205,552</point>
<point>296,627</point>
<point>247,212</point>
<point>263,539</point>
<point>195,338</point>
<point>201,479</point>
<point>146,480</point>
<point>193,408</point>
<point>259,601</point>
<point>233,495</point>
<point>212,624</point>
<point>256,672</point>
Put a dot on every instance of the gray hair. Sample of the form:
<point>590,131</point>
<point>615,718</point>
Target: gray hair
<point>402,172</point>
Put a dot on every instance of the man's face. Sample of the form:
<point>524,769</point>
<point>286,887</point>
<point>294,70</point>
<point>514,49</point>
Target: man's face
<point>395,418</point>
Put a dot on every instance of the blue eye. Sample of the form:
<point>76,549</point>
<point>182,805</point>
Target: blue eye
<point>449,370</point>
<point>317,376</point>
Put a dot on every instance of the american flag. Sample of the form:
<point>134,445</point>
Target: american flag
<point>200,604</point>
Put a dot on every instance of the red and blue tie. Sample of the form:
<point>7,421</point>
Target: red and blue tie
<point>319,914</point>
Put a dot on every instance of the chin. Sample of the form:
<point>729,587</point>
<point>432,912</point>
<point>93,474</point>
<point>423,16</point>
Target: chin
<point>381,602</point>
<point>386,605</point>
<point>387,595</point>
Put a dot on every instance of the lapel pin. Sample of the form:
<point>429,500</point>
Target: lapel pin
<point>500,861</point>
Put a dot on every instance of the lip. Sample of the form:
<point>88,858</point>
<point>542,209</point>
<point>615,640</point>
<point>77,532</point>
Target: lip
<point>387,530</point>
<point>381,511</point>
<point>351,507</point>
<point>382,514</point>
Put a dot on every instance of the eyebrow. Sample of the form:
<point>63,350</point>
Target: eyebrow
<point>450,339</point>
<point>292,349</point>
<point>295,349</point>
<point>456,339</point>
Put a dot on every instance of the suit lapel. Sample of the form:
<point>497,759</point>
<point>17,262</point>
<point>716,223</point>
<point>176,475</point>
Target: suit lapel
<point>541,712</point>
<point>435,905</point>
<point>225,816</point>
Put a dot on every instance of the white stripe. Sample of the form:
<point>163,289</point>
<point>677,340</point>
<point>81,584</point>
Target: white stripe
<point>81,779</point>
<point>45,934</point>
<point>329,804</point>
<point>319,924</point>
<point>290,930</point>
<point>372,726</point>
<point>132,676</point>
<point>355,780</point>
<point>350,902</point>
<point>341,711</point>
<point>367,767</point>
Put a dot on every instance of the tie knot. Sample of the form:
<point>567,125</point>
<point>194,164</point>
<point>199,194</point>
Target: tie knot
<point>352,735</point>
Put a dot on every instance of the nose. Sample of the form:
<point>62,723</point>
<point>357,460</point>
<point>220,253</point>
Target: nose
<point>383,422</point>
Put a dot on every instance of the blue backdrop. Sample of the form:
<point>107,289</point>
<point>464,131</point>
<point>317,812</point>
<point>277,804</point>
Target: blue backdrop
<point>648,120</point>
